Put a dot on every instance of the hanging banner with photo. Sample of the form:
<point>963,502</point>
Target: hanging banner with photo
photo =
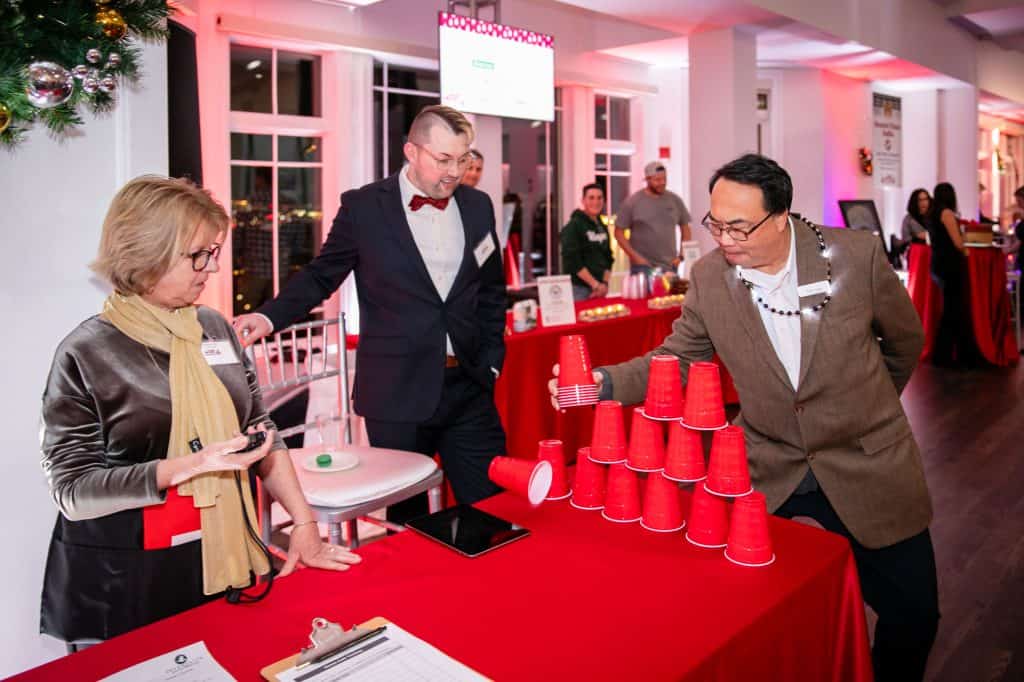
<point>887,140</point>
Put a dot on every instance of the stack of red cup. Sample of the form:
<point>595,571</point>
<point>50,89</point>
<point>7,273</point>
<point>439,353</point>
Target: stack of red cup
<point>749,543</point>
<point>622,500</point>
<point>684,459</point>
<point>646,444</point>
<point>588,490</point>
<point>664,399</point>
<point>608,444</point>
<point>576,385</point>
<point>551,451</point>
<point>704,409</point>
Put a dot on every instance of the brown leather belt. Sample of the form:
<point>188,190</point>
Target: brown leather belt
<point>451,361</point>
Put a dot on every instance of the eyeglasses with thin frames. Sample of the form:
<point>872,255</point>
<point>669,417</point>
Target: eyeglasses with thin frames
<point>461,163</point>
<point>738,231</point>
<point>201,258</point>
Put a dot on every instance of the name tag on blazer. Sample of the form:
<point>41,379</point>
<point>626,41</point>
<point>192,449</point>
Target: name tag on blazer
<point>483,250</point>
<point>172,523</point>
<point>219,353</point>
<point>812,289</point>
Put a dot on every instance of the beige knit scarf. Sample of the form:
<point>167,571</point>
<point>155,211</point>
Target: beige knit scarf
<point>200,406</point>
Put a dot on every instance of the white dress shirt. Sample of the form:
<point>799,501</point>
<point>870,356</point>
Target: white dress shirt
<point>439,237</point>
<point>780,292</point>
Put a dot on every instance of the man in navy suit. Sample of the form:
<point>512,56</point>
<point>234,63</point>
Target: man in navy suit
<point>431,302</point>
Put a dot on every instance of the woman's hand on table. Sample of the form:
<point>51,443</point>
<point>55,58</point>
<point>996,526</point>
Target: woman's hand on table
<point>307,546</point>
<point>220,456</point>
<point>553,386</point>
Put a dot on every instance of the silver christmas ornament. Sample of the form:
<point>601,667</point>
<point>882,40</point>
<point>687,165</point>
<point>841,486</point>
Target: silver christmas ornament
<point>49,85</point>
<point>90,85</point>
<point>113,60</point>
<point>80,71</point>
<point>108,83</point>
<point>93,56</point>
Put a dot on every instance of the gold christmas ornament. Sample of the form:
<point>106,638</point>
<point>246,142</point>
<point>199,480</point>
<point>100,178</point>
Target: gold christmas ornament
<point>5,117</point>
<point>113,24</point>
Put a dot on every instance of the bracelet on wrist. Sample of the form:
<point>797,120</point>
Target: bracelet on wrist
<point>304,523</point>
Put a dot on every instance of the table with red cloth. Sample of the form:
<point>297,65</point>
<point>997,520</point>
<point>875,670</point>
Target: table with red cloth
<point>521,394</point>
<point>581,598</point>
<point>988,302</point>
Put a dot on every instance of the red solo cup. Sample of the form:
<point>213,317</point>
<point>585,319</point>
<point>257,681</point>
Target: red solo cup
<point>684,459</point>
<point>608,444</point>
<point>664,388</point>
<point>589,488</point>
<point>574,367</point>
<point>551,451</point>
<point>708,525</point>
<point>663,507</point>
<point>704,408</point>
<point>749,543</point>
<point>528,478</point>
<point>728,473</point>
<point>577,396</point>
<point>622,502</point>
<point>646,444</point>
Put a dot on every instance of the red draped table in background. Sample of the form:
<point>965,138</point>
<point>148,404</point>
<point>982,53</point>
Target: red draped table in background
<point>579,599</point>
<point>988,302</point>
<point>522,393</point>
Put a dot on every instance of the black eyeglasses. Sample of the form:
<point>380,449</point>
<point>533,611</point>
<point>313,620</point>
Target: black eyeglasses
<point>201,258</point>
<point>738,231</point>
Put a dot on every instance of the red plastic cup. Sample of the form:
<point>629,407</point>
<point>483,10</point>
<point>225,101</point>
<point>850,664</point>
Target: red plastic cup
<point>551,451</point>
<point>684,459</point>
<point>663,506</point>
<point>528,478</point>
<point>750,543</point>
<point>608,444</point>
<point>588,490</point>
<point>728,473</point>
<point>664,388</point>
<point>574,367</point>
<point>708,524</point>
<point>622,502</point>
<point>646,444</point>
<point>704,408</point>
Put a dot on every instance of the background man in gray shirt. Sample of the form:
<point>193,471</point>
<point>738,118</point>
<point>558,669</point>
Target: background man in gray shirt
<point>651,215</point>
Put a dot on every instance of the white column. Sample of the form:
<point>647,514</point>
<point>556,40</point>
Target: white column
<point>722,103</point>
<point>958,146</point>
<point>577,147</point>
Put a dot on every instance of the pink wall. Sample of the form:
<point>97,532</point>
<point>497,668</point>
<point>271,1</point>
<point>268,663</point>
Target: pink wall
<point>847,118</point>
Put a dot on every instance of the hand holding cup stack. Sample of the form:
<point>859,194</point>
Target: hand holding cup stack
<point>576,385</point>
<point>524,477</point>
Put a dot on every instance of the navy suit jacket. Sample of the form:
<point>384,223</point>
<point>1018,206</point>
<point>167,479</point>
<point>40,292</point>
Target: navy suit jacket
<point>401,357</point>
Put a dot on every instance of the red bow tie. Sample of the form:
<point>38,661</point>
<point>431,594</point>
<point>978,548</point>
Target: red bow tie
<point>419,200</point>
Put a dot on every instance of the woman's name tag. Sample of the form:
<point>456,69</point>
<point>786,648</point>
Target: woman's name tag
<point>219,353</point>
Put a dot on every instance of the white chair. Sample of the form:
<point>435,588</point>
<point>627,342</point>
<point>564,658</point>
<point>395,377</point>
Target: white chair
<point>288,362</point>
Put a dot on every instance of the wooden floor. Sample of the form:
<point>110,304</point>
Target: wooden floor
<point>970,426</point>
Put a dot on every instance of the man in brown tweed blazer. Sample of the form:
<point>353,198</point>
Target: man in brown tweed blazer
<point>820,338</point>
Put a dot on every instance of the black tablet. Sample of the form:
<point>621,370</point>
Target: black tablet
<point>467,530</point>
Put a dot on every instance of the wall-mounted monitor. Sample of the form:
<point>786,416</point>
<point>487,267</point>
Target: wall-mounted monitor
<point>496,70</point>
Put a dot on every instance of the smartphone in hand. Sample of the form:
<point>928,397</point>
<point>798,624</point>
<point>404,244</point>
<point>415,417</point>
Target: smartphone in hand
<point>256,439</point>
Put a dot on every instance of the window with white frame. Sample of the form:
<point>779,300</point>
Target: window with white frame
<point>277,134</point>
<point>613,148</point>
<point>399,92</point>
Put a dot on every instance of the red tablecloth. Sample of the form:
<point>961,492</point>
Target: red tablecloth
<point>522,393</point>
<point>988,301</point>
<point>580,599</point>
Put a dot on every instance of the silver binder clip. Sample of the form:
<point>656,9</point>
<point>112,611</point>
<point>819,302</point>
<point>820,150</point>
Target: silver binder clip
<point>327,639</point>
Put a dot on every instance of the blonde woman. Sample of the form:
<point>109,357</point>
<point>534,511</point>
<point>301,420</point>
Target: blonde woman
<point>143,415</point>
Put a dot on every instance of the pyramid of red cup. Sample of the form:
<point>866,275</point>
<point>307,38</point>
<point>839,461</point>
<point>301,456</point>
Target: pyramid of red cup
<point>640,480</point>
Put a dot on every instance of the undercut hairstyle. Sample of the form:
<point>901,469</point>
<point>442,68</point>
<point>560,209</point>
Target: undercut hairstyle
<point>759,171</point>
<point>943,197</point>
<point>590,186</point>
<point>475,153</point>
<point>150,224</point>
<point>439,115</point>
<point>912,208</point>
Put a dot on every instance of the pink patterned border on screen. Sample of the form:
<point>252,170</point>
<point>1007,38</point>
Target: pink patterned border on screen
<point>519,35</point>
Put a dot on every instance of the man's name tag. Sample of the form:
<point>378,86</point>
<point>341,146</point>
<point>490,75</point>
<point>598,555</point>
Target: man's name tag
<point>483,250</point>
<point>813,289</point>
<point>219,353</point>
